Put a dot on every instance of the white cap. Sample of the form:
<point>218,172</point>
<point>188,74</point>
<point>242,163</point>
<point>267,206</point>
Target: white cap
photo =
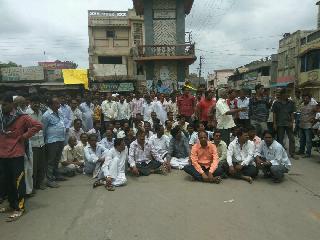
<point>121,134</point>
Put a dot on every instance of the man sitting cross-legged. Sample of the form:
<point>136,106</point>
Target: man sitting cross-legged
<point>272,158</point>
<point>204,158</point>
<point>240,157</point>
<point>70,164</point>
<point>94,155</point>
<point>222,152</point>
<point>113,168</point>
<point>160,141</point>
<point>179,151</point>
<point>144,159</point>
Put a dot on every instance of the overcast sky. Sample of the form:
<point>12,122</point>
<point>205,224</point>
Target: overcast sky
<point>229,33</point>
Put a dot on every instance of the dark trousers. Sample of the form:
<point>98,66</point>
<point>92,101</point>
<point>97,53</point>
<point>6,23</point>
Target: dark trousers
<point>54,152</point>
<point>197,176</point>
<point>14,180</point>
<point>3,190</point>
<point>276,171</point>
<point>248,171</point>
<point>305,140</point>
<point>281,130</point>
<point>146,168</point>
<point>225,135</point>
<point>39,165</point>
<point>245,123</point>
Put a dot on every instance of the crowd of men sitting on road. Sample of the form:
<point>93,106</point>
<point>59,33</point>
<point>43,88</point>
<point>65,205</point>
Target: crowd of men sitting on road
<point>44,141</point>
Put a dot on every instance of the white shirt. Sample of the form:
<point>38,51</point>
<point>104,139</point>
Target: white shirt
<point>224,121</point>
<point>160,109</point>
<point>276,154</point>
<point>112,155</point>
<point>92,155</point>
<point>147,109</point>
<point>107,144</point>
<point>160,144</point>
<point>244,156</point>
<point>124,111</point>
<point>244,104</point>
<point>109,110</point>
<point>137,155</point>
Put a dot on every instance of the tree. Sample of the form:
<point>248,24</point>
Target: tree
<point>9,64</point>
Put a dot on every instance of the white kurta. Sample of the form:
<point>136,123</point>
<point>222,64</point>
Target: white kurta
<point>114,166</point>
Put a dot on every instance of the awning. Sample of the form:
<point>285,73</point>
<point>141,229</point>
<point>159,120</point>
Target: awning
<point>276,85</point>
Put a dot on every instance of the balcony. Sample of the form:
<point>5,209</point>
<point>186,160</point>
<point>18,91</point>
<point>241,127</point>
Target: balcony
<point>97,18</point>
<point>179,52</point>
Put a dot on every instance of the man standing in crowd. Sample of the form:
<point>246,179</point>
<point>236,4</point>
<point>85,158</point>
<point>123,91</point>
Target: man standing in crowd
<point>38,146</point>
<point>15,128</point>
<point>259,110</point>
<point>204,158</point>
<point>305,127</point>
<point>204,107</point>
<point>186,104</point>
<point>109,110</point>
<point>243,102</point>
<point>147,109</point>
<point>87,108</point>
<point>137,105</point>
<point>224,116</point>
<point>67,115</point>
<point>272,158</point>
<point>123,109</point>
<point>75,111</point>
<point>76,130</point>
<point>54,133</point>
<point>240,157</point>
<point>283,117</point>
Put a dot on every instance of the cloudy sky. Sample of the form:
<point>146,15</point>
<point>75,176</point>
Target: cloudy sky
<point>228,33</point>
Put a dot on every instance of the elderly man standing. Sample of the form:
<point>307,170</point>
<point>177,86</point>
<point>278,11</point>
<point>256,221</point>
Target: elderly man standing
<point>54,133</point>
<point>204,158</point>
<point>224,116</point>
<point>15,128</point>
<point>38,146</point>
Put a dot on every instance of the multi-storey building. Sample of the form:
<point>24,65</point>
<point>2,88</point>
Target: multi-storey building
<point>112,36</point>
<point>166,55</point>
<point>219,78</point>
<point>288,61</point>
<point>309,59</point>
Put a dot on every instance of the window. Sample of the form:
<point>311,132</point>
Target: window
<point>265,71</point>
<point>109,60</point>
<point>310,61</point>
<point>111,34</point>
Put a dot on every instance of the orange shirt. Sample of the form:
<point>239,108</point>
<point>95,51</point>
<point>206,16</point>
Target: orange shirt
<point>207,157</point>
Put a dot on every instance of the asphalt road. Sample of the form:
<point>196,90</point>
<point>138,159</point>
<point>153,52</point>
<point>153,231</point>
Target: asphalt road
<point>172,207</point>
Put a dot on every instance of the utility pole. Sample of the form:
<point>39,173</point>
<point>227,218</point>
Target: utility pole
<point>200,68</point>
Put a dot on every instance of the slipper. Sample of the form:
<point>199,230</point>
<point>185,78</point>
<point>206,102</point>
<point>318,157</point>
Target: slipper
<point>15,216</point>
<point>110,188</point>
<point>98,183</point>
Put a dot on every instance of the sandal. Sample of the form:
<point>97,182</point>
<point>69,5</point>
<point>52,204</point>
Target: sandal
<point>110,188</point>
<point>98,183</point>
<point>15,216</point>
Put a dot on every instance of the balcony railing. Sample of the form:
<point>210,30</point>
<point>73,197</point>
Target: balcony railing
<point>180,50</point>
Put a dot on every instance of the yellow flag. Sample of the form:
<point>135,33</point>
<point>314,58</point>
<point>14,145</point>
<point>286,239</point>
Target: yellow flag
<point>76,76</point>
